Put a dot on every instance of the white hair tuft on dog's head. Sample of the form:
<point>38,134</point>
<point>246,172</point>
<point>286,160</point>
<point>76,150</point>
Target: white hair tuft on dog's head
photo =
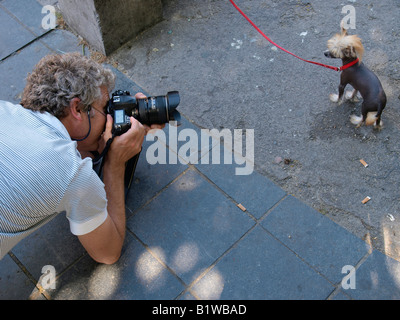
<point>343,46</point>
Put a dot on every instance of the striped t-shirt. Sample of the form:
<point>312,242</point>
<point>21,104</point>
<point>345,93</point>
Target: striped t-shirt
<point>42,174</point>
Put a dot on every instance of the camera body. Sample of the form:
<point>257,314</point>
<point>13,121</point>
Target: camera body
<point>148,111</point>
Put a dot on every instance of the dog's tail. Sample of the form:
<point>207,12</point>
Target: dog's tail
<point>371,119</point>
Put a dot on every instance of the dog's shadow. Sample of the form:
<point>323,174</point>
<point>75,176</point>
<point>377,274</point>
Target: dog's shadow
<point>334,122</point>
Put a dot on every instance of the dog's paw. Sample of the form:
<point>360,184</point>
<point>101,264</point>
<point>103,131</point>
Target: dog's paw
<point>334,97</point>
<point>356,120</point>
<point>378,127</point>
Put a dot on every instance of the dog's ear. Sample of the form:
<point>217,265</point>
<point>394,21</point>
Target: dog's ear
<point>349,52</point>
<point>357,47</point>
<point>353,52</point>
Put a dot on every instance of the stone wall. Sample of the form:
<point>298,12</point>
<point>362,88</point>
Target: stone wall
<point>108,24</point>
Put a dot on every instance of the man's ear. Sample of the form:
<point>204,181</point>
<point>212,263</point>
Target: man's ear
<point>75,108</point>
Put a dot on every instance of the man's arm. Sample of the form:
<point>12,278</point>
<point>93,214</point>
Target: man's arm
<point>104,244</point>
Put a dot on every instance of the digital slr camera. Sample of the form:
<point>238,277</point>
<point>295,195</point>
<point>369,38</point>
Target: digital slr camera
<point>148,111</point>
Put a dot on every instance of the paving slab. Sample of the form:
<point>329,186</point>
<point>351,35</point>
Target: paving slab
<point>190,225</point>
<point>62,41</point>
<point>14,70</point>
<point>28,13</point>
<point>53,244</point>
<point>14,284</point>
<point>317,239</point>
<point>149,180</point>
<point>256,193</point>
<point>378,278</point>
<point>260,268</point>
<point>14,36</point>
<point>138,275</point>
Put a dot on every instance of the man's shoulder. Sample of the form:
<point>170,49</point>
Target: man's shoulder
<point>37,146</point>
<point>17,117</point>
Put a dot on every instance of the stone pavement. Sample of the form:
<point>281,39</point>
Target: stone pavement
<point>187,236</point>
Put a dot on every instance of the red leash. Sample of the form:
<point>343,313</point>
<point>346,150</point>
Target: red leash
<point>278,46</point>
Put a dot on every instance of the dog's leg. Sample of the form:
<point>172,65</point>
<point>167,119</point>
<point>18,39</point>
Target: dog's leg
<point>334,97</point>
<point>379,123</point>
<point>358,121</point>
<point>382,104</point>
<point>337,98</point>
<point>364,117</point>
<point>341,94</point>
<point>352,95</point>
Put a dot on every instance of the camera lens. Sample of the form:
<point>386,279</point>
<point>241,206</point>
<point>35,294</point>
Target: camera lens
<point>159,110</point>
<point>173,102</point>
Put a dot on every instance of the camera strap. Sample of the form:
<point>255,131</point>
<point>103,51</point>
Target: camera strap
<point>101,156</point>
<point>104,152</point>
<point>90,127</point>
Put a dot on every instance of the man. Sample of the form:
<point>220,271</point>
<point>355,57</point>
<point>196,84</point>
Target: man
<point>44,168</point>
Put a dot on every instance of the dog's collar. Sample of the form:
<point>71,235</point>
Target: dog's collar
<point>350,64</point>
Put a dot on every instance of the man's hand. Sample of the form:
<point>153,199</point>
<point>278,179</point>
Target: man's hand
<point>127,145</point>
<point>106,134</point>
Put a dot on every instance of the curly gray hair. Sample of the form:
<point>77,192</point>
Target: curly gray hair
<point>57,79</point>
